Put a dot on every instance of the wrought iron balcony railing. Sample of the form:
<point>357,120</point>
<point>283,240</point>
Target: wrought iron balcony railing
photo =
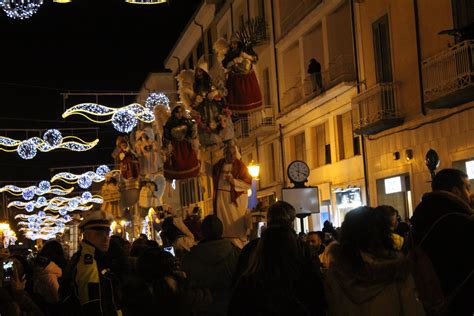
<point>341,69</point>
<point>254,123</point>
<point>448,77</point>
<point>376,109</point>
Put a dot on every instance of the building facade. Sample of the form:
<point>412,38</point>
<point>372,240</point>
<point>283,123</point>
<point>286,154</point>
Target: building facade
<point>390,83</point>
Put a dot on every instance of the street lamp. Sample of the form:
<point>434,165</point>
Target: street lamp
<point>254,169</point>
<point>62,1</point>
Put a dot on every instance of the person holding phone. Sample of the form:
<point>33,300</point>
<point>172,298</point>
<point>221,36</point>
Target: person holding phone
<point>14,300</point>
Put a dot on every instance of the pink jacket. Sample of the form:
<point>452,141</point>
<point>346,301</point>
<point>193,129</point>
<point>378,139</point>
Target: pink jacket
<point>46,283</point>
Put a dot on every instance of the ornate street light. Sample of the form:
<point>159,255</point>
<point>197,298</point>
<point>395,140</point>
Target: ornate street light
<point>254,169</point>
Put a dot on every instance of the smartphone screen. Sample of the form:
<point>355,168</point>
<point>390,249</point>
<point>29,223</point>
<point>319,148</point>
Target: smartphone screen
<point>7,270</point>
<point>170,250</point>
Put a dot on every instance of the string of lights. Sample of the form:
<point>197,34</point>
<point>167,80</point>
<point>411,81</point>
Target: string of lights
<point>123,119</point>
<point>44,187</point>
<point>84,180</point>
<point>52,140</point>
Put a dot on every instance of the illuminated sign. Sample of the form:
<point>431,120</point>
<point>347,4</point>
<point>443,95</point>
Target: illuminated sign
<point>393,185</point>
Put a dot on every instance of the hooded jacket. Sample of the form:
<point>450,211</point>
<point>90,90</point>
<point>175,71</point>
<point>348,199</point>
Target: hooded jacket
<point>384,286</point>
<point>211,264</point>
<point>448,245</point>
<point>46,282</point>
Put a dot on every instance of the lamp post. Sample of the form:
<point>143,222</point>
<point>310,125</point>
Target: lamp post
<point>254,170</point>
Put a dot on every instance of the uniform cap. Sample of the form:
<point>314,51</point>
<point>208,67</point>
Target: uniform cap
<point>97,219</point>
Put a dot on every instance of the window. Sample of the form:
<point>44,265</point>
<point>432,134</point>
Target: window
<point>200,49</point>
<point>190,62</point>
<point>323,146</point>
<point>270,160</point>
<point>190,191</point>
<point>300,147</point>
<point>383,61</point>
<point>261,8</point>
<point>345,136</point>
<point>266,87</point>
<point>463,13</point>
<point>209,47</point>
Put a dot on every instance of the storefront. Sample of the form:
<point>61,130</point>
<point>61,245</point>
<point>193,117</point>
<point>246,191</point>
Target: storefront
<point>396,191</point>
<point>347,199</point>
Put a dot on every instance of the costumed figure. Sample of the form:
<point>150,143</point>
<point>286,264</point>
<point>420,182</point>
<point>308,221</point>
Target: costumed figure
<point>243,90</point>
<point>130,171</point>
<point>231,183</point>
<point>179,134</point>
<point>206,99</point>
<point>111,194</point>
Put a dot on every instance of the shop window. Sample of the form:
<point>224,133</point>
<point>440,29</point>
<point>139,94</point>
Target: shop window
<point>466,166</point>
<point>346,200</point>
<point>396,192</point>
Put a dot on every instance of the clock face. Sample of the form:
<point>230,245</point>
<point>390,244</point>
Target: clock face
<point>298,171</point>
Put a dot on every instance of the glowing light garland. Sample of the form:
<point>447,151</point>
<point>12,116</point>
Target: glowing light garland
<point>20,9</point>
<point>60,203</point>
<point>84,180</point>
<point>29,193</point>
<point>52,139</point>
<point>123,119</point>
<point>36,226</point>
<point>155,99</point>
<point>146,1</point>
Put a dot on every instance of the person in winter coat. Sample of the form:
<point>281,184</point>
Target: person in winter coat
<point>280,280</point>
<point>50,263</point>
<point>163,288</point>
<point>211,264</point>
<point>367,276</point>
<point>448,210</point>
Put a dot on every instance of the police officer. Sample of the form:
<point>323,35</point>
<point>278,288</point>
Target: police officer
<point>89,281</point>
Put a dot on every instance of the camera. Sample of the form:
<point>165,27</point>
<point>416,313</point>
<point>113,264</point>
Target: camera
<point>7,272</point>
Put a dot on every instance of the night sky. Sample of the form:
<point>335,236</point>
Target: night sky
<point>91,45</point>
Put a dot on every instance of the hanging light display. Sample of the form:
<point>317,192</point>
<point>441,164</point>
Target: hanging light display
<point>157,99</point>
<point>146,1</point>
<point>29,193</point>
<point>57,203</point>
<point>20,9</point>
<point>52,139</point>
<point>123,119</point>
<point>84,180</point>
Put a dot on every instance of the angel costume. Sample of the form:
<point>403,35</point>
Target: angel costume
<point>243,91</point>
<point>179,131</point>
<point>230,199</point>
<point>111,195</point>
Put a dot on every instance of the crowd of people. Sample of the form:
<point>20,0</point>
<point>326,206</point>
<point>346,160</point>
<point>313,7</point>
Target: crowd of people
<point>374,264</point>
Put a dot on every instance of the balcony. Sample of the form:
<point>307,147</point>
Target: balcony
<point>376,109</point>
<point>298,12</point>
<point>260,123</point>
<point>448,77</point>
<point>341,69</point>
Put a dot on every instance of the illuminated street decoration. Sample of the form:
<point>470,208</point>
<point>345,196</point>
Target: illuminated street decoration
<point>20,9</point>
<point>155,99</point>
<point>29,193</point>
<point>60,203</point>
<point>146,1</point>
<point>52,139</point>
<point>123,119</point>
<point>7,235</point>
<point>84,180</point>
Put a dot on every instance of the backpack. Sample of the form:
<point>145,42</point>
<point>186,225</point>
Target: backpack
<point>428,285</point>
